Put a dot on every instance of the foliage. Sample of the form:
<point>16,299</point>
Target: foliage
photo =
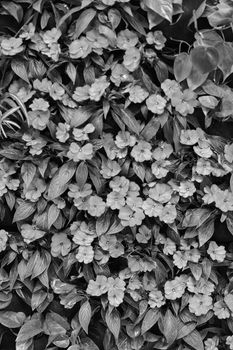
<point>116,186</point>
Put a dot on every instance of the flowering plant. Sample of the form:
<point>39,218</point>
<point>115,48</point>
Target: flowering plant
<point>116,186</point>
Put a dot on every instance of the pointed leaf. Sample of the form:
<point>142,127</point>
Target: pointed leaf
<point>84,315</point>
<point>182,66</point>
<point>150,319</point>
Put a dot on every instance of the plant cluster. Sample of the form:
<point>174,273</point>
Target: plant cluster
<point>116,186</point>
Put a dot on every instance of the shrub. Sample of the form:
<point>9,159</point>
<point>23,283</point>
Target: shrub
<point>116,187</point>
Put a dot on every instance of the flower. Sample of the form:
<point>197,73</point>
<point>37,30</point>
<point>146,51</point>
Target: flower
<point>132,59</point>
<point>21,89</point>
<point>51,36</point>
<point>211,343</point>
<point>161,192</point>
<point>125,139</point>
<point>80,48</point>
<point>3,239</point>
<point>174,289</point>
<point>115,297</point>
<point>82,134</point>
<point>39,104</point>
<point>96,206</point>
<point>126,39</point>
<point>180,259</point>
<point>156,299</point>
<point>77,153</point>
<point>229,341</point>
<point>81,93</point>
<point>186,189</point>
<point>98,287</point>
<point>120,184</point>
<point>39,119</point>
<point>130,217</point>
<point>11,46</point>
<point>152,208</point>
<point>98,88</point>
<point>200,304</point>
<point>162,151</point>
<point>157,39</point>
<point>62,132</point>
<point>228,152</point>
<point>171,88</point>
<point>85,254</point>
<point>216,252</point>
<point>119,74</point>
<point>142,151</point>
<point>221,310</point>
<point>31,233</point>
<point>82,234</point>
<point>156,103</point>
<point>160,168</point>
<point>137,94</point>
<point>109,169</point>
<point>98,41</point>
<point>144,234</point>
<point>56,91</point>
<point>60,244</point>
<point>189,137</point>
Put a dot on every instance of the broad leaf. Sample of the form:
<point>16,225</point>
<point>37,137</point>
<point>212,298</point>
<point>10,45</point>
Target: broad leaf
<point>182,66</point>
<point>164,8</point>
<point>84,315</point>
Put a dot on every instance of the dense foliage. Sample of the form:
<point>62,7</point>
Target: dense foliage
<point>116,186</point>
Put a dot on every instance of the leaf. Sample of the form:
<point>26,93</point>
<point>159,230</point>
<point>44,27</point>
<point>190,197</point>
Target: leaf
<point>29,330</point>
<point>53,214</point>
<point>19,68</point>
<point>150,320</point>
<point>132,20</point>
<point>113,321</point>
<point>41,263</point>
<point>205,232</point>
<point>196,270</point>
<point>151,129</point>
<point>194,339</point>
<point>139,170</point>
<point>11,319</point>
<point>14,10</point>
<point>103,223</point>
<point>24,210</point>
<point>204,59</point>
<point>87,344</point>
<point>225,51</point>
<point>129,120</point>
<point>208,101</point>
<point>163,8</point>
<point>85,3</point>
<point>28,171</point>
<point>195,217</point>
<point>59,182</point>
<point>38,298</point>
<point>83,21</point>
<point>84,315</point>
<point>71,72</point>
<point>182,66</point>
<point>222,15</point>
<point>229,222</point>
<point>170,327</point>
<point>196,78</point>
<point>38,5</point>
<point>81,174</point>
<point>197,13</point>
<point>185,329</point>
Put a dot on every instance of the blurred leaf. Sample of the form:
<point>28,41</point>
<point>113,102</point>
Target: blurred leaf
<point>83,21</point>
<point>170,327</point>
<point>14,10</point>
<point>53,214</point>
<point>19,68</point>
<point>204,59</point>
<point>12,319</point>
<point>29,330</point>
<point>205,232</point>
<point>225,51</point>
<point>194,340</point>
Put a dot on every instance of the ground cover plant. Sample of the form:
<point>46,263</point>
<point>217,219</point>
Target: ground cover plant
<point>116,186</point>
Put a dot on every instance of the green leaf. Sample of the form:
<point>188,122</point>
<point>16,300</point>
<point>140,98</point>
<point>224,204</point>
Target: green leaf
<point>14,10</point>
<point>195,217</point>
<point>139,170</point>
<point>83,21</point>
<point>164,8</point>
<point>59,182</point>
<point>113,321</point>
<point>11,319</point>
<point>24,210</point>
<point>103,223</point>
<point>150,319</point>
<point>182,66</point>
<point>38,298</point>
<point>84,315</point>
<point>185,329</point>
<point>194,339</point>
<point>38,5</point>
<point>87,344</point>
<point>229,222</point>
